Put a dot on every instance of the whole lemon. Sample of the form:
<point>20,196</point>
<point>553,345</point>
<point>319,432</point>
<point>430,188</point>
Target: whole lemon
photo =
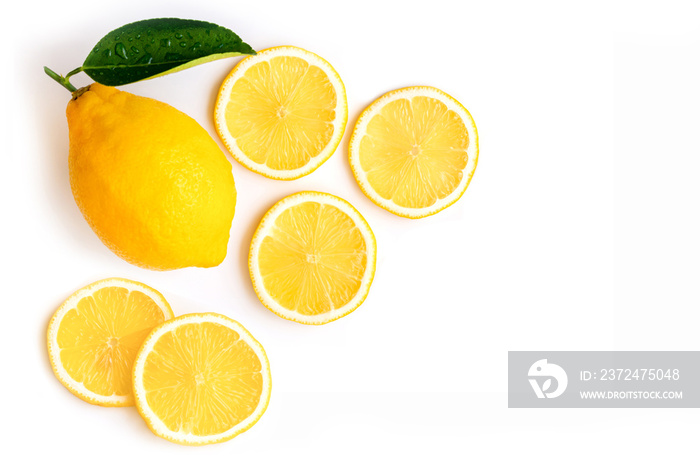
<point>149,180</point>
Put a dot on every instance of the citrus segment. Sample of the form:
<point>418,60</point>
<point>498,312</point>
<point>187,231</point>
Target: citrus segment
<point>94,336</point>
<point>282,112</point>
<point>414,150</point>
<point>201,378</point>
<point>312,258</point>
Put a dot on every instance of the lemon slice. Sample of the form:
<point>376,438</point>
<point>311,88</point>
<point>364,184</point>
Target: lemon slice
<point>200,379</point>
<point>312,258</point>
<point>95,334</point>
<point>281,113</point>
<point>414,150</point>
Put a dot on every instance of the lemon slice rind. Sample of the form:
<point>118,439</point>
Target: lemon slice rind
<point>339,123</point>
<point>361,128</point>
<point>185,438</point>
<point>264,229</point>
<point>78,388</point>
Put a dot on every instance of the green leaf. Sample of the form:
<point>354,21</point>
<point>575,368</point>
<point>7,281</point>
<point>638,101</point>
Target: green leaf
<point>155,47</point>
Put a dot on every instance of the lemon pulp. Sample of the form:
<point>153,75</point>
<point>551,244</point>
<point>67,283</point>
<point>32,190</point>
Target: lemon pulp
<point>281,112</point>
<point>201,378</point>
<point>314,260</point>
<point>414,151</point>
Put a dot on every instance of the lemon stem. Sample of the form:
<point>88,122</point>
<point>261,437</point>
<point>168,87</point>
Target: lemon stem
<point>63,81</point>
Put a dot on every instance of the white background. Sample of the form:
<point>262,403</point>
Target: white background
<point>579,232</point>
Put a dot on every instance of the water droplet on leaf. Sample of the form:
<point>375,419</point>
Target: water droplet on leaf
<point>120,50</point>
<point>147,58</point>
